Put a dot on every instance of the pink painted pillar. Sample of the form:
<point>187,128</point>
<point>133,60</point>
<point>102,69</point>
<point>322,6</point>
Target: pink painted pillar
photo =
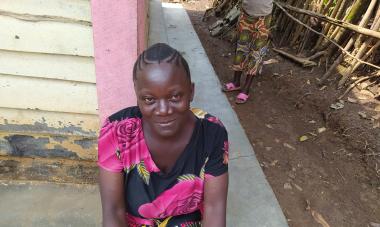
<point>119,29</point>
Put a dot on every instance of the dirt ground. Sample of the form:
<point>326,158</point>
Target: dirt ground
<point>335,173</point>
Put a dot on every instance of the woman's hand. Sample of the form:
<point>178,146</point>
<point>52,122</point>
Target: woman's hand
<point>215,201</point>
<point>111,187</point>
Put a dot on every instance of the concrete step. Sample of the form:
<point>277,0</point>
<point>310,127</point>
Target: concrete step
<point>49,204</point>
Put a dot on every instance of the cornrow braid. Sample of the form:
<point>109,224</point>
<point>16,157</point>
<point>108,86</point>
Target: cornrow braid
<point>157,53</point>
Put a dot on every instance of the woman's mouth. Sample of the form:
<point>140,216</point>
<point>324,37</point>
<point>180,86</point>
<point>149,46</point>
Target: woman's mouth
<point>166,123</point>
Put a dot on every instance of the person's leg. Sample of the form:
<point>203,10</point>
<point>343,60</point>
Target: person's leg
<point>258,51</point>
<point>241,54</point>
<point>237,78</point>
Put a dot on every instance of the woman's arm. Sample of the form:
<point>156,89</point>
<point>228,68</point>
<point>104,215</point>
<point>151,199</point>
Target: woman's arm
<point>112,195</point>
<point>215,201</point>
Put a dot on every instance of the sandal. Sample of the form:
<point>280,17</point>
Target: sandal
<point>228,87</point>
<point>241,98</point>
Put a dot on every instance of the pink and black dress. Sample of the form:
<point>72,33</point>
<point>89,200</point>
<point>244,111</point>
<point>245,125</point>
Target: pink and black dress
<point>154,198</point>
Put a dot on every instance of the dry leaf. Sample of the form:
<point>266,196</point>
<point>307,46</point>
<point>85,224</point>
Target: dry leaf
<point>318,218</point>
<point>337,106</point>
<point>288,186</point>
<point>289,146</point>
<point>269,126</point>
<point>274,163</point>
<point>303,138</point>
<point>322,88</point>
<point>298,187</point>
<point>351,100</point>
<point>270,61</point>
<point>320,130</point>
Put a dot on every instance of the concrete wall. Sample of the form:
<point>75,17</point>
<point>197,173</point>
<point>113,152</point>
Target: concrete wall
<point>48,104</point>
<point>118,40</point>
<point>49,94</point>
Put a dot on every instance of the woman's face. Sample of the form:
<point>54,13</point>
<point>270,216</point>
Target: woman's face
<point>164,93</point>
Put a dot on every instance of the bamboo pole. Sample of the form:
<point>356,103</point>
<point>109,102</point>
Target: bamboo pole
<point>343,24</point>
<point>366,17</point>
<point>326,8</point>
<point>290,25</point>
<point>332,41</point>
<point>360,52</point>
<point>299,27</point>
<point>327,28</point>
<point>353,15</point>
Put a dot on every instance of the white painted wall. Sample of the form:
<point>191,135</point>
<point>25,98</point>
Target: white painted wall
<point>47,73</point>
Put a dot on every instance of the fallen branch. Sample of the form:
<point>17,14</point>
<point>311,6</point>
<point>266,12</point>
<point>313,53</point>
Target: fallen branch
<point>316,55</point>
<point>333,42</point>
<point>305,62</point>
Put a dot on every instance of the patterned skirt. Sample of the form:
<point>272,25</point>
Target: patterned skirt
<point>252,44</point>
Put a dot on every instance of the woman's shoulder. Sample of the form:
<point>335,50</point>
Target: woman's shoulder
<point>126,113</point>
<point>210,121</point>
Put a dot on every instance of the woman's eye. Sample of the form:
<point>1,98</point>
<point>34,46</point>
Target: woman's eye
<point>148,100</point>
<point>175,98</point>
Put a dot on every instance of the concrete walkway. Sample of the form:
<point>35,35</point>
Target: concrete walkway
<point>251,201</point>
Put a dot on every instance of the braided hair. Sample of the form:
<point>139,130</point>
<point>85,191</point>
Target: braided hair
<point>157,53</point>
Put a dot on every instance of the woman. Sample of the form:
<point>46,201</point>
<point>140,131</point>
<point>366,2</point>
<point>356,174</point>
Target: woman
<point>160,163</point>
<point>252,45</point>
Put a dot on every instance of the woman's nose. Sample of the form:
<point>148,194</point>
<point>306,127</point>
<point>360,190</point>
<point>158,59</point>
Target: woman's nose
<point>163,108</point>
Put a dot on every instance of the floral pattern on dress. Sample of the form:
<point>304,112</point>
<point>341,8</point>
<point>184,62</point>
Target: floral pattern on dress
<point>133,149</point>
<point>184,197</point>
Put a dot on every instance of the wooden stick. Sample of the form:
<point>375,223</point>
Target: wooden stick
<point>327,26</point>
<point>340,23</point>
<point>365,19</point>
<point>332,41</point>
<point>305,62</point>
<point>331,69</point>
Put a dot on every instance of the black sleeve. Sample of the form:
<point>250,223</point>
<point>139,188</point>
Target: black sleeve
<point>217,162</point>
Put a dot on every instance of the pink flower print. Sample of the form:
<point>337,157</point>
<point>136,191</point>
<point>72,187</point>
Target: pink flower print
<point>183,198</point>
<point>136,221</point>
<point>215,120</point>
<point>133,148</point>
<point>127,130</point>
<point>225,155</point>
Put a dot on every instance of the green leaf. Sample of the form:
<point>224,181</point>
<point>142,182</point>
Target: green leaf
<point>143,172</point>
<point>303,138</point>
<point>186,177</point>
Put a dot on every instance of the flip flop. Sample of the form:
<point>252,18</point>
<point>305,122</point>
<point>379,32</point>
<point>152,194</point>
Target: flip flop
<point>228,87</point>
<point>241,98</point>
